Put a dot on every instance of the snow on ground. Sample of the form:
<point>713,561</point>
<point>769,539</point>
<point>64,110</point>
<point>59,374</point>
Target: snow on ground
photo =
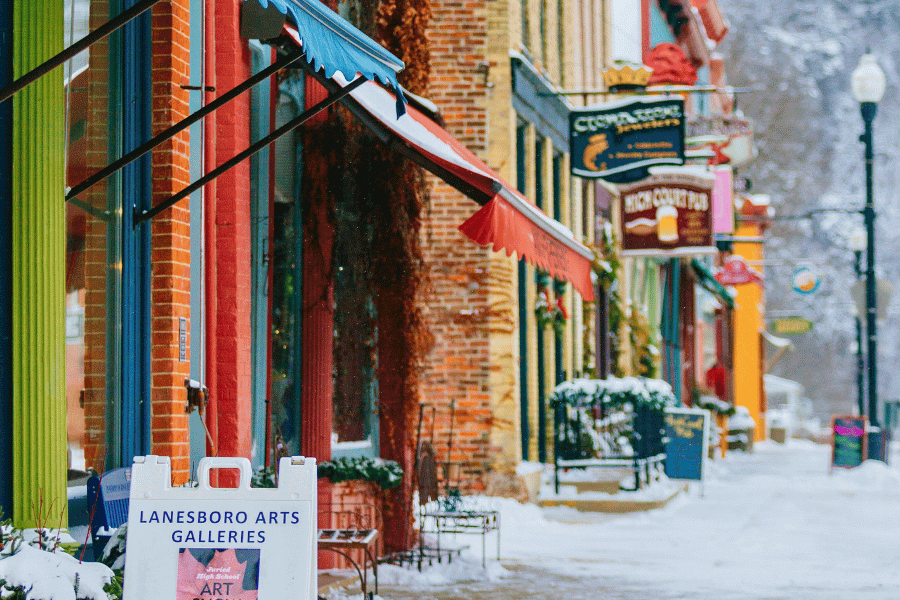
<point>770,525</point>
<point>659,490</point>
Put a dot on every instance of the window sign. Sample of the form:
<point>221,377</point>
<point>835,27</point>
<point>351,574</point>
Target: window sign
<point>208,543</point>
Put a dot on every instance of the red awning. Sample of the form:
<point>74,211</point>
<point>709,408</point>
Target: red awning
<point>507,220</point>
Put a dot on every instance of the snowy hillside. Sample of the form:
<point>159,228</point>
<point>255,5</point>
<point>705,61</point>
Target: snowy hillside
<point>800,53</point>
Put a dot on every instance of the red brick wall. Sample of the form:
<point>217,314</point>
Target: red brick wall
<point>354,504</point>
<point>231,320</point>
<point>457,306</point>
<point>95,312</point>
<point>170,246</point>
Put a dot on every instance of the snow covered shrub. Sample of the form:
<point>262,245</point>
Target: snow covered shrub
<point>610,418</point>
<point>34,566</point>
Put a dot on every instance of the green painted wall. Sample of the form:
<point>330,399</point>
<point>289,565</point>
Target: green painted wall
<point>38,257</point>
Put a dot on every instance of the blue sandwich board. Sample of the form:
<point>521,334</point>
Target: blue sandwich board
<point>687,442</point>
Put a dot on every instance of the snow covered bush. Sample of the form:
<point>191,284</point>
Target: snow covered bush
<point>34,566</point>
<point>610,418</point>
<point>615,392</point>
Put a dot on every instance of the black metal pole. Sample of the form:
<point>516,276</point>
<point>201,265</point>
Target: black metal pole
<point>98,34</point>
<point>868,114</point>
<point>860,357</point>
<point>172,131</point>
<point>140,217</point>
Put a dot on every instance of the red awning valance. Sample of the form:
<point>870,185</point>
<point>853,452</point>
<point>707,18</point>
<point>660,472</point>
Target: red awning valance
<point>504,223</point>
<point>507,220</point>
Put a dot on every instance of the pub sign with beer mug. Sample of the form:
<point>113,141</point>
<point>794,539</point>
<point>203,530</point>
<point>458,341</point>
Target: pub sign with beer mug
<point>668,213</point>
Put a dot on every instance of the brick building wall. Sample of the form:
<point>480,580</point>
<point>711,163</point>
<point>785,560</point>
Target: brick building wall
<point>469,307</point>
<point>352,505</point>
<point>231,236</point>
<point>474,304</point>
<point>170,242</point>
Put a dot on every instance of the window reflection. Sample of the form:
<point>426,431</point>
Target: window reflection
<point>286,290</point>
<point>92,283</point>
<point>354,418</point>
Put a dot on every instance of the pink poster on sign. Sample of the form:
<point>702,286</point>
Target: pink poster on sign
<point>218,574</point>
<point>722,201</point>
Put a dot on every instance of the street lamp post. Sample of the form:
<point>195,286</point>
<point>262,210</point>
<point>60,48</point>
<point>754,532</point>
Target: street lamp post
<point>868,83</point>
<point>858,241</point>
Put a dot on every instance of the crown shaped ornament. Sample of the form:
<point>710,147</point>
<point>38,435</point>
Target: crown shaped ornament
<point>624,76</point>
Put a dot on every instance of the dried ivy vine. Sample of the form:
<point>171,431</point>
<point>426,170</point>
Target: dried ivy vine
<point>393,193</point>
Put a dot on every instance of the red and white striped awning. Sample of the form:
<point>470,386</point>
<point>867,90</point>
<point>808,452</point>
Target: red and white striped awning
<point>506,220</point>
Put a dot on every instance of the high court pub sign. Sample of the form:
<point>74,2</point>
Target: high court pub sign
<point>668,211</point>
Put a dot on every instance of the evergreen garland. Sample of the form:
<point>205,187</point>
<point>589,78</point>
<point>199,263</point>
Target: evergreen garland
<point>606,266</point>
<point>644,353</point>
<point>387,474</point>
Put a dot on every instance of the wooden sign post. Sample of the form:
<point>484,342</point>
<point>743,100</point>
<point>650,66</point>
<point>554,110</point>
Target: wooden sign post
<point>848,441</point>
<point>208,543</point>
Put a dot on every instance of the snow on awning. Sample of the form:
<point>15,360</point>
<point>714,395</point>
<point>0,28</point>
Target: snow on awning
<point>333,45</point>
<point>507,220</point>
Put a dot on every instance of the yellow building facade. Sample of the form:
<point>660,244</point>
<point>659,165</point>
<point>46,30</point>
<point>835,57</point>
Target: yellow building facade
<point>748,324</point>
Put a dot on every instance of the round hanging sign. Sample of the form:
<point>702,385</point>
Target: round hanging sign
<point>806,280</point>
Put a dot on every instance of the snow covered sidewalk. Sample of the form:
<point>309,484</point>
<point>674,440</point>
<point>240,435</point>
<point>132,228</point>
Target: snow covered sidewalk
<point>770,525</point>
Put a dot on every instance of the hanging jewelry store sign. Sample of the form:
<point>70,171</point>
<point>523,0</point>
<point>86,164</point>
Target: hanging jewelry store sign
<point>668,213</point>
<point>620,140</point>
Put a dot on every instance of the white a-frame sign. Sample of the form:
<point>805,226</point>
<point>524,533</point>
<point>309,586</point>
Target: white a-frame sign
<point>207,543</point>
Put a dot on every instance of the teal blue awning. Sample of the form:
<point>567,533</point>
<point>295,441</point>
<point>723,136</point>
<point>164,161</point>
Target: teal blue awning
<point>706,279</point>
<point>332,44</point>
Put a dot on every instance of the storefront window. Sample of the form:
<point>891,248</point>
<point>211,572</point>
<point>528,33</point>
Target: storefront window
<point>93,249</point>
<point>286,279</point>
<point>355,424</point>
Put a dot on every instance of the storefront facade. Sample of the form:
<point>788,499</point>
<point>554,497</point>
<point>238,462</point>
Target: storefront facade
<point>493,364</point>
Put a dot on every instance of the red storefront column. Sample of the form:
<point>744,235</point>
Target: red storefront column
<point>318,307</point>
<point>317,362</point>
<point>394,434</point>
<point>230,358</point>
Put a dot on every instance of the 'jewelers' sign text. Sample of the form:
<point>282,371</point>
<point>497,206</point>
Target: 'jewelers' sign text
<point>620,140</point>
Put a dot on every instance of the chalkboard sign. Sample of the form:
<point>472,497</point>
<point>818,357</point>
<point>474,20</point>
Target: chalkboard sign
<point>848,441</point>
<point>687,442</point>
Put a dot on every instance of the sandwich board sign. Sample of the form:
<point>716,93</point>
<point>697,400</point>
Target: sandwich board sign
<point>687,442</point>
<point>207,543</point>
<point>848,441</point>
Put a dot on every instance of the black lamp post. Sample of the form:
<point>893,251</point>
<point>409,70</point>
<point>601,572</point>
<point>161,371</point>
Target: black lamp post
<point>868,83</point>
<point>858,241</point>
